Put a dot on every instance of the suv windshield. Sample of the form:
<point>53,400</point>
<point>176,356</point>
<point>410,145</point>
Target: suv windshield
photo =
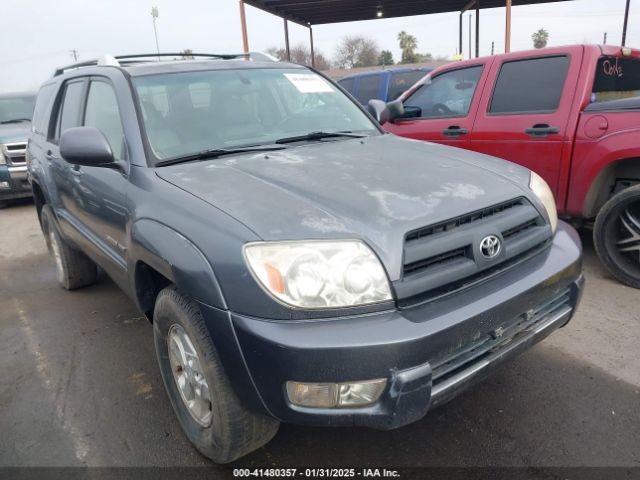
<point>16,109</point>
<point>186,113</point>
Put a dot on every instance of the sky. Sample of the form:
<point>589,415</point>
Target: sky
<point>38,35</point>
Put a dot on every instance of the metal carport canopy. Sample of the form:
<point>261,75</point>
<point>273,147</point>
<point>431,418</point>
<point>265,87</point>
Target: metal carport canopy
<point>317,12</point>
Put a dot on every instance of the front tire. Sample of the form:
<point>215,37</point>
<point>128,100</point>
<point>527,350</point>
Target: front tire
<point>616,236</point>
<point>207,408</point>
<point>73,268</point>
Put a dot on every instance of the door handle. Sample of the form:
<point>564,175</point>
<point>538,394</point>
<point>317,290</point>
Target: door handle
<point>541,130</point>
<point>455,131</point>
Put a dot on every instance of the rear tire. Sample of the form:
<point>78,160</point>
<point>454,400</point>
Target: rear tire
<point>224,430</point>
<point>3,204</point>
<point>616,236</point>
<point>73,268</point>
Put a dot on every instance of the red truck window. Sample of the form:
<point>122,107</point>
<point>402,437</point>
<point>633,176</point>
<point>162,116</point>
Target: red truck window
<point>447,95</point>
<point>616,78</point>
<point>530,85</point>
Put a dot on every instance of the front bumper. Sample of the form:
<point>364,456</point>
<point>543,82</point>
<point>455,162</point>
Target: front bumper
<point>14,182</point>
<point>427,353</point>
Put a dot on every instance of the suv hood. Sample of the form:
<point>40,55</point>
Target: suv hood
<point>376,188</point>
<point>14,132</point>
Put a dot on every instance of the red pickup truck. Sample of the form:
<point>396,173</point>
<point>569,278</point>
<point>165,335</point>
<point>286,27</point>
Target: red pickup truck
<point>570,114</point>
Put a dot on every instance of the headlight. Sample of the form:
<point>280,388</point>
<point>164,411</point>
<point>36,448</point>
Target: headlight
<point>2,158</point>
<point>545,195</point>
<point>319,274</point>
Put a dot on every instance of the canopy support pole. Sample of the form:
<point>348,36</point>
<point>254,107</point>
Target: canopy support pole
<point>477,28</point>
<point>507,29</point>
<point>460,36</point>
<point>243,25</point>
<point>286,40</point>
<point>313,55</point>
<point>626,21</point>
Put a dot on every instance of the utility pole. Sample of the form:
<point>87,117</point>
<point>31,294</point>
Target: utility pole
<point>604,40</point>
<point>492,47</point>
<point>154,15</point>
<point>74,54</point>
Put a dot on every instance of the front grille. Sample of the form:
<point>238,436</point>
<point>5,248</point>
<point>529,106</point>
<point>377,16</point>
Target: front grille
<point>442,258</point>
<point>448,364</point>
<point>16,153</point>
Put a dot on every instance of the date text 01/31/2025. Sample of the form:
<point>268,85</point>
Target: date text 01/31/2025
<point>315,473</point>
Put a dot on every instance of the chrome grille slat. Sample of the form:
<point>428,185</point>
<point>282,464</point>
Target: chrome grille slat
<point>15,153</point>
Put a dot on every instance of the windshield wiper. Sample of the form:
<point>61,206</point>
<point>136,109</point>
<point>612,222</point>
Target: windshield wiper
<point>16,120</point>
<point>218,152</point>
<point>319,136</point>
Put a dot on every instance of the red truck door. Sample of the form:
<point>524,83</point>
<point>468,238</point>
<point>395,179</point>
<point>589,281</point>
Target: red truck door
<point>523,115</point>
<point>442,109</point>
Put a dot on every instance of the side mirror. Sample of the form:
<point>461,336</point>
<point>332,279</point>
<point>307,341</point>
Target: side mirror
<point>396,110</point>
<point>379,110</point>
<point>86,146</point>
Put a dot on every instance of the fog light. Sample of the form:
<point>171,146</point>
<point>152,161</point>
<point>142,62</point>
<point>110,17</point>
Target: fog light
<point>4,185</point>
<point>335,395</point>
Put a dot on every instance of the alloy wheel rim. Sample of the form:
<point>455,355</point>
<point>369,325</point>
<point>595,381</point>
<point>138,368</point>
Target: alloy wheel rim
<point>629,240</point>
<point>57,256</point>
<point>188,375</point>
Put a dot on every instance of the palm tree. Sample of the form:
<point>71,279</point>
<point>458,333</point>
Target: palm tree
<point>540,38</point>
<point>408,45</point>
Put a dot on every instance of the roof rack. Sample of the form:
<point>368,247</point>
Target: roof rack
<point>108,60</point>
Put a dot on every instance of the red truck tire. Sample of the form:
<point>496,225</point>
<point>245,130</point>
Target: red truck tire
<point>616,236</point>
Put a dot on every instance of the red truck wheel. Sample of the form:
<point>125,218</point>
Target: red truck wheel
<point>616,236</point>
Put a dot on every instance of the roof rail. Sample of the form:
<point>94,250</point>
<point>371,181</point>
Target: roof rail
<point>136,58</point>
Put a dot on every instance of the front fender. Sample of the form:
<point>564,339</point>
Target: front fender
<point>175,257</point>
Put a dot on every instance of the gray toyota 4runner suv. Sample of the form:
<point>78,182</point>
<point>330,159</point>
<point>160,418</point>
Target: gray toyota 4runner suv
<point>297,263</point>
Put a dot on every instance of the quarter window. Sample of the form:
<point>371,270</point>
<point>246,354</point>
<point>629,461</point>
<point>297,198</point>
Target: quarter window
<point>102,113</point>
<point>527,86</point>
<point>368,88</point>
<point>447,95</point>
<point>347,84</point>
<point>40,120</point>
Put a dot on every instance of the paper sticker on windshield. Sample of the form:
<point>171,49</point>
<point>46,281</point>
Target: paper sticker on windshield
<point>308,83</point>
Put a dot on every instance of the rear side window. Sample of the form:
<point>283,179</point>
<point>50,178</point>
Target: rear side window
<point>532,85</point>
<point>616,78</point>
<point>40,119</point>
<point>102,113</point>
<point>400,82</point>
<point>69,113</point>
<point>347,84</point>
<point>368,88</point>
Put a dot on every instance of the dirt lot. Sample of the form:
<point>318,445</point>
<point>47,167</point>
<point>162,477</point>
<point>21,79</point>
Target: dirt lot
<point>79,386</point>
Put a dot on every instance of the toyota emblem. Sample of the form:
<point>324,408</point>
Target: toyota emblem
<point>490,246</point>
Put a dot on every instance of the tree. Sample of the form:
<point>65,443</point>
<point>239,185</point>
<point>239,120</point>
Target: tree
<point>408,45</point>
<point>386,58</point>
<point>187,54</point>
<point>357,51</point>
<point>301,54</point>
<point>540,38</point>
